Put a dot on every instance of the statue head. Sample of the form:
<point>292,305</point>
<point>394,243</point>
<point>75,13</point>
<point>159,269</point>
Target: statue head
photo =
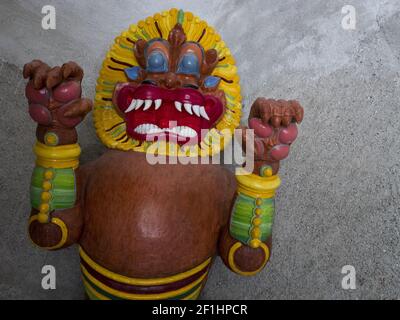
<point>171,95</point>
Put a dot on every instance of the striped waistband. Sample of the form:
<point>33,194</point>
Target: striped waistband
<point>104,284</point>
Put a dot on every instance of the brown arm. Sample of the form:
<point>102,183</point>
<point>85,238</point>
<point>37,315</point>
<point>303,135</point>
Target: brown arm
<point>246,242</point>
<point>55,103</point>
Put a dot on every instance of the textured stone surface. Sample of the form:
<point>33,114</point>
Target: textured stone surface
<point>340,199</point>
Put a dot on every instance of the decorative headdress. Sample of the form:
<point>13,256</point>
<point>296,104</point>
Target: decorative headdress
<point>110,127</point>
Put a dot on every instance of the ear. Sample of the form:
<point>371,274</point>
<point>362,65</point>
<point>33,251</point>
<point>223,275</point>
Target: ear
<point>132,73</point>
<point>210,61</point>
<point>211,82</point>
<point>139,50</point>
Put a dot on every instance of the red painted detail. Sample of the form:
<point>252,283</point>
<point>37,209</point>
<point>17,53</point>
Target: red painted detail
<point>289,134</point>
<point>40,114</point>
<point>167,116</point>
<point>41,96</point>
<point>69,122</point>
<point>67,91</point>
<point>280,152</point>
<point>260,129</point>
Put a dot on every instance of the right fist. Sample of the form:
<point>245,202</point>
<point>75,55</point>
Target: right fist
<point>54,94</point>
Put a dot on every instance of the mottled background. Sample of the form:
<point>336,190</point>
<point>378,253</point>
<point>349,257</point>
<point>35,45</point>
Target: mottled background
<point>340,199</point>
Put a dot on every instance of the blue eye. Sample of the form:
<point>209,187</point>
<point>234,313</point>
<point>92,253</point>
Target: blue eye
<point>189,64</point>
<point>157,62</point>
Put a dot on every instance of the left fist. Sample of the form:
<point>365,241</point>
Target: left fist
<point>54,94</point>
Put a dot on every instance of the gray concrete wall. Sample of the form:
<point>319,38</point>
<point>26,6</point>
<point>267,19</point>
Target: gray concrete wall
<point>340,199</point>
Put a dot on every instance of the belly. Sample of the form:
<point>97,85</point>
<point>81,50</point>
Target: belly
<point>149,221</point>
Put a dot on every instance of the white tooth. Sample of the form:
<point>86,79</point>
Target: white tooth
<point>189,132</point>
<point>204,114</point>
<point>131,106</point>
<point>178,106</point>
<point>157,103</point>
<point>138,104</point>
<point>196,110</point>
<point>188,108</point>
<point>147,104</point>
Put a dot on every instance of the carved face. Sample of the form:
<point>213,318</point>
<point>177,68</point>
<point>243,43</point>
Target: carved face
<point>172,95</point>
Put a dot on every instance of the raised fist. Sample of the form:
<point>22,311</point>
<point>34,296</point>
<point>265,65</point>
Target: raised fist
<point>275,129</point>
<point>54,97</point>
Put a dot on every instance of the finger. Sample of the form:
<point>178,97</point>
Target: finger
<point>30,67</point>
<point>260,129</point>
<point>39,76</point>
<point>79,108</point>
<point>276,121</point>
<point>279,152</point>
<point>298,110</point>
<point>72,70</point>
<point>266,111</point>
<point>257,108</point>
<point>250,143</point>
<point>259,148</point>
<point>54,78</point>
<point>286,120</point>
<point>287,113</point>
<point>280,108</point>
<point>262,109</point>
<point>277,114</point>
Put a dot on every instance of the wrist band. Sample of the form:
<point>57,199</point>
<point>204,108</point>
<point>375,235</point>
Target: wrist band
<point>65,156</point>
<point>253,212</point>
<point>53,184</point>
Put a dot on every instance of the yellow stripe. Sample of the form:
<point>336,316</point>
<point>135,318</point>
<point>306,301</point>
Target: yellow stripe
<point>194,295</point>
<point>256,186</point>
<point>93,291</point>
<point>58,222</point>
<point>140,281</point>
<point>65,156</point>
<point>132,296</point>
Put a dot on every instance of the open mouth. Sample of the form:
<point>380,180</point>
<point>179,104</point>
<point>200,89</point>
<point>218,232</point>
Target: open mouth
<point>154,113</point>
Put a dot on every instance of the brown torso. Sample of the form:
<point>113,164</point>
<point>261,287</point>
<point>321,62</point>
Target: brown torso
<point>145,220</point>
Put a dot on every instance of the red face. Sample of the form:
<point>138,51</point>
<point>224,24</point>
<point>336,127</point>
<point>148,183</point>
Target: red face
<point>171,97</point>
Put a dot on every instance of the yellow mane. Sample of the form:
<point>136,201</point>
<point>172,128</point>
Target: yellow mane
<point>110,127</point>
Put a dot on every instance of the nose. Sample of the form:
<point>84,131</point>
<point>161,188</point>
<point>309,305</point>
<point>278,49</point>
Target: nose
<point>171,80</point>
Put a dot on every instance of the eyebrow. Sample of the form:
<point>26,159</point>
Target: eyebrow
<point>198,45</point>
<point>150,42</point>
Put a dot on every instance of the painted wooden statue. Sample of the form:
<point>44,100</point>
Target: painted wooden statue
<point>151,231</point>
